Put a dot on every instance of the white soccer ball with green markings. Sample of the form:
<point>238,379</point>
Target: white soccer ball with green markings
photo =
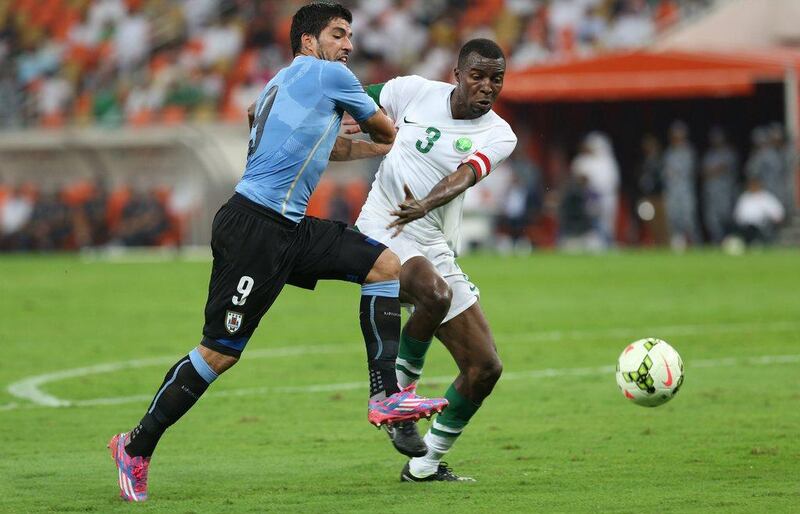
<point>649,372</point>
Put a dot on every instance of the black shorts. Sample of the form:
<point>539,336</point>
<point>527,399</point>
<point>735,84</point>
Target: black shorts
<point>256,251</point>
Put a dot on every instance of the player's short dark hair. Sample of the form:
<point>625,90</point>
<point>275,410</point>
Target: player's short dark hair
<point>312,19</point>
<point>483,47</point>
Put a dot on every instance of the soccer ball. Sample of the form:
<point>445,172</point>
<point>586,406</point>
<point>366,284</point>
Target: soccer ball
<point>649,372</point>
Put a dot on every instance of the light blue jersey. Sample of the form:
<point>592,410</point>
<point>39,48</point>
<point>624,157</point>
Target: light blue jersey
<point>297,119</point>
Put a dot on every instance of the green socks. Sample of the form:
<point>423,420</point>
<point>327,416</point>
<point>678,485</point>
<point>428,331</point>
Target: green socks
<point>410,359</point>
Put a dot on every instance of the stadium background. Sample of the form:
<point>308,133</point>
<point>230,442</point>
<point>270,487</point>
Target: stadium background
<point>123,120</point>
<point>123,124</point>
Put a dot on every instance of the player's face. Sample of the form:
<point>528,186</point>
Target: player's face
<point>480,82</point>
<point>334,43</point>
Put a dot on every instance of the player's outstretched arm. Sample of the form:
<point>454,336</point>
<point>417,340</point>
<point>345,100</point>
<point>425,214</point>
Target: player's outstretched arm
<point>346,149</point>
<point>379,127</point>
<point>445,190</point>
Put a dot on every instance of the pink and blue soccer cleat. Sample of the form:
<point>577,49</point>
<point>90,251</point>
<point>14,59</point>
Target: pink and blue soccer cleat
<point>132,470</point>
<point>403,406</point>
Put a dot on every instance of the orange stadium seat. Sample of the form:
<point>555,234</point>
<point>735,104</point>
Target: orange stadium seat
<point>667,14</point>
<point>24,6</point>
<point>318,203</point>
<point>141,118</point>
<point>173,115</point>
<point>5,192</point>
<point>66,19</point>
<point>355,193</point>
<point>245,64</point>
<point>116,203</point>
<point>481,12</point>
<point>78,193</point>
<point>52,120</point>
<point>231,113</point>
<point>172,236</point>
<point>82,112</point>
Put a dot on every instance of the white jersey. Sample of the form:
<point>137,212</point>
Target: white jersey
<point>429,146</point>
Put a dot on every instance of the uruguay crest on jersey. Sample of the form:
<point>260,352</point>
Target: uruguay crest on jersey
<point>233,321</point>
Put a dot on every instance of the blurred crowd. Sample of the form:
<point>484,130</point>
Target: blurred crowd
<point>86,214</point>
<point>681,198</point>
<point>138,62</point>
<point>142,62</point>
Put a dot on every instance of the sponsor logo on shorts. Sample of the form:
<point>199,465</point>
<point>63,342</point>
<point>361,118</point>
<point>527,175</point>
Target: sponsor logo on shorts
<point>233,321</point>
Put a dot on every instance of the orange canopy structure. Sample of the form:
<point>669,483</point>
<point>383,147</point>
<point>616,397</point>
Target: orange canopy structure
<point>643,75</point>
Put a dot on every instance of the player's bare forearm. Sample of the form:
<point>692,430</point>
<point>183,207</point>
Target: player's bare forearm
<point>380,128</point>
<point>346,149</point>
<point>442,193</point>
<point>449,187</point>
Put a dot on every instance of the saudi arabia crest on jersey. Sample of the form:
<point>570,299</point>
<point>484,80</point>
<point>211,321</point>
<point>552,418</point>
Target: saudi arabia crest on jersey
<point>463,144</point>
<point>233,321</point>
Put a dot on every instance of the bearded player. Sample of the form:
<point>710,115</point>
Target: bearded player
<point>448,140</point>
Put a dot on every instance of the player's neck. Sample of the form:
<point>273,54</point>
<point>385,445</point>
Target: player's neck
<point>458,107</point>
<point>305,52</point>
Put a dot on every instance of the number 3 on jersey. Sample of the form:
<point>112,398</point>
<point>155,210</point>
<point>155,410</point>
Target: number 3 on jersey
<point>433,135</point>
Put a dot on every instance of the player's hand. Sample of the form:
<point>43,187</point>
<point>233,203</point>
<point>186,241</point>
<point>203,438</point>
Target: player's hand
<point>409,210</point>
<point>349,125</point>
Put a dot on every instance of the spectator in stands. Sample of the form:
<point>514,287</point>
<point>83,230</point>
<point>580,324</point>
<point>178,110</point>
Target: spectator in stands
<point>95,210</point>
<point>577,217</point>
<point>597,163</point>
<point>11,97</point>
<point>15,215</point>
<point>143,222</point>
<point>131,40</point>
<point>592,27</point>
<point>403,36</point>
<point>758,214</point>
<point>720,172</point>
<point>517,206</point>
<point>651,190</point>
<point>766,163</point>
<point>338,207</point>
<point>50,226</point>
<point>778,141</point>
<point>533,49</point>
<point>651,182</point>
<point>53,96</point>
<point>633,27</point>
<point>679,188</point>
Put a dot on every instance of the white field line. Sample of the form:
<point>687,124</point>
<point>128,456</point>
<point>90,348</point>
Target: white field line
<point>29,388</point>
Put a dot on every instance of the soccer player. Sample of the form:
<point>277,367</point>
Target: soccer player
<point>448,140</point>
<point>261,240</point>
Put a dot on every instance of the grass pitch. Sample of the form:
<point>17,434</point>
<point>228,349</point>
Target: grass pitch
<point>286,430</point>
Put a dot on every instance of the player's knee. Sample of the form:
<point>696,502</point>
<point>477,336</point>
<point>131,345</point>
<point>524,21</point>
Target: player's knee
<point>387,267</point>
<point>437,297</point>
<point>487,373</point>
<point>219,362</point>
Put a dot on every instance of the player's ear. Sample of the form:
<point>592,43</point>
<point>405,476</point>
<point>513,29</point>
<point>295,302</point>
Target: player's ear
<point>456,73</point>
<point>309,43</point>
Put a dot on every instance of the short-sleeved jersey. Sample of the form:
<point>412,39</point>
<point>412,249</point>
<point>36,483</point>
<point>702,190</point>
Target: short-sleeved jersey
<point>297,119</point>
<point>429,146</point>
